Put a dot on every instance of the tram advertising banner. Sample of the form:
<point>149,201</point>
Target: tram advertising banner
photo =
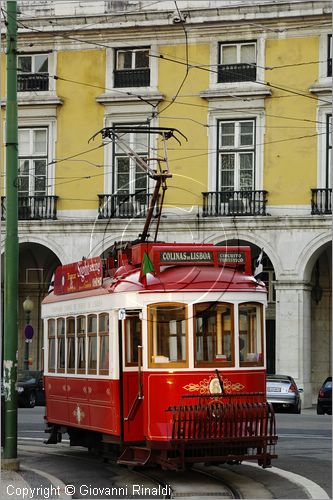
<point>86,274</point>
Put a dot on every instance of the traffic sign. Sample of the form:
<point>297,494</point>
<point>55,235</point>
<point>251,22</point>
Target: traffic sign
<point>28,332</point>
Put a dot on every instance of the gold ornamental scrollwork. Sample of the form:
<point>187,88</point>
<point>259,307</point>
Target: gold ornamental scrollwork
<point>203,386</point>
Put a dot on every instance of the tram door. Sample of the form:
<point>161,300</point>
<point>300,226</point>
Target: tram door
<point>132,393</point>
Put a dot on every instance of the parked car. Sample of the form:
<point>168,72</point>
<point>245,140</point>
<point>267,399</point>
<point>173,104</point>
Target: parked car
<point>30,388</point>
<point>324,402</point>
<point>283,393</point>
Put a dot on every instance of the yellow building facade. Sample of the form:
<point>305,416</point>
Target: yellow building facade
<point>249,86</point>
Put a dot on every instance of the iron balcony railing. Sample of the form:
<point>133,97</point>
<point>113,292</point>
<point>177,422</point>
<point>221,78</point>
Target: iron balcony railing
<point>33,207</point>
<point>123,206</point>
<point>231,203</point>
<point>132,77</point>
<point>28,82</point>
<point>321,201</point>
<point>236,73</point>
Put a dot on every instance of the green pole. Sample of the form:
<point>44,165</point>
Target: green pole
<point>11,242</point>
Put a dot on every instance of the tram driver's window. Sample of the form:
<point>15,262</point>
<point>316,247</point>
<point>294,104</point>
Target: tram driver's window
<point>213,330</point>
<point>167,335</point>
<point>92,343</point>
<point>81,344</point>
<point>61,344</point>
<point>250,335</point>
<point>52,345</point>
<point>133,338</point>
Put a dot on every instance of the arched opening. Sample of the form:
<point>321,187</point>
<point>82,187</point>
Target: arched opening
<point>37,264</point>
<point>321,316</point>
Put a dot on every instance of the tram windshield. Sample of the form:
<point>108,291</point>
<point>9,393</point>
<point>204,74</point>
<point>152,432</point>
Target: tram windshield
<point>213,330</point>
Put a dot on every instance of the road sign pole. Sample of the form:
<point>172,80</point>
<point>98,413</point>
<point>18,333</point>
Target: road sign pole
<point>11,247</point>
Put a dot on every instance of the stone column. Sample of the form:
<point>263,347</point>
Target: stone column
<point>293,334</point>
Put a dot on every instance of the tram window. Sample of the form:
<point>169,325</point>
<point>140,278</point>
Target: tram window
<point>81,343</point>
<point>213,334</point>
<point>133,338</point>
<point>52,345</point>
<point>103,331</point>
<point>61,344</point>
<point>70,332</point>
<point>92,343</point>
<point>168,330</point>
<point>250,335</point>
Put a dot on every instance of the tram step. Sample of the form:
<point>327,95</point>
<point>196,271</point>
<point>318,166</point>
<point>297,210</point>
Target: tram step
<point>134,455</point>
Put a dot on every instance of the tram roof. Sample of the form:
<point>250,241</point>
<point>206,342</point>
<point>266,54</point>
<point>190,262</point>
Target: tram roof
<point>171,278</point>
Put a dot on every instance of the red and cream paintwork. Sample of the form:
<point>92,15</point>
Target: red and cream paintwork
<point>109,404</point>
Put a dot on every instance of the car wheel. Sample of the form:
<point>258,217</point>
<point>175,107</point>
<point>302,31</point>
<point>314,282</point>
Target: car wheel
<point>31,401</point>
<point>297,408</point>
<point>320,410</point>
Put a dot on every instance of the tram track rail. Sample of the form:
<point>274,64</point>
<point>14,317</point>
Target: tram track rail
<point>194,483</point>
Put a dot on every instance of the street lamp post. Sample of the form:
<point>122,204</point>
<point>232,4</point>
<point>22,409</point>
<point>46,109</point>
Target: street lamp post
<point>28,306</point>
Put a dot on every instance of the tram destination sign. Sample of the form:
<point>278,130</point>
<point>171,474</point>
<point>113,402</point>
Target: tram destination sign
<point>170,257</point>
<point>86,274</point>
<point>231,257</point>
<point>202,257</point>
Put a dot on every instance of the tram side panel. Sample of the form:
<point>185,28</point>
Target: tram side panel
<point>86,403</point>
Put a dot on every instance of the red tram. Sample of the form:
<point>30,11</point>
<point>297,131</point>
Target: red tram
<point>162,359</point>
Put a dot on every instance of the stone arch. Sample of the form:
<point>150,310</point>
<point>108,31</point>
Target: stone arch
<point>310,254</point>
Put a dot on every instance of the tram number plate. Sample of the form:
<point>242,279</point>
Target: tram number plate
<point>273,389</point>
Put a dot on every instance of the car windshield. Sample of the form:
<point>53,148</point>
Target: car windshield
<point>26,375</point>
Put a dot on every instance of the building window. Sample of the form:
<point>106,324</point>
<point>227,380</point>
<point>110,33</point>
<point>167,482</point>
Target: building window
<point>167,335</point>
<point>32,72</point>
<point>33,153</point>
<point>236,155</point>
<point>250,335</point>
<point>213,330</point>
<point>237,62</point>
<point>329,55</point>
<point>129,178</point>
<point>132,68</point>
<point>103,332</point>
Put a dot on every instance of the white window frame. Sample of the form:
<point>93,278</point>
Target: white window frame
<point>31,156</point>
<point>134,51</point>
<point>236,151</point>
<point>111,64</point>
<point>256,111</point>
<point>52,70</point>
<point>260,63</point>
<point>132,164</point>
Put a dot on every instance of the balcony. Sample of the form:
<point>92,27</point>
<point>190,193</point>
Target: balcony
<point>132,78</point>
<point>227,73</point>
<point>33,207</point>
<point>31,82</point>
<point>321,201</point>
<point>234,203</point>
<point>123,206</point>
